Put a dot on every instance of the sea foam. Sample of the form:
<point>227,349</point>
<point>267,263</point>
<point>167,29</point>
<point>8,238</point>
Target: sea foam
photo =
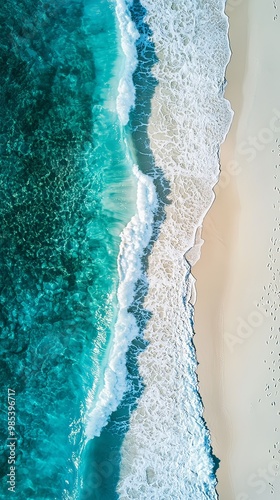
<point>129,35</point>
<point>134,238</point>
<point>167,450</point>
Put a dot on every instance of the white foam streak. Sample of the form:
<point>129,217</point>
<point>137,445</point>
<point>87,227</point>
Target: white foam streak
<point>129,35</point>
<point>134,239</point>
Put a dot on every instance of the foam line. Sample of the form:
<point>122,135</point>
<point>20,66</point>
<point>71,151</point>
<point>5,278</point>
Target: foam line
<point>129,35</point>
<point>134,238</point>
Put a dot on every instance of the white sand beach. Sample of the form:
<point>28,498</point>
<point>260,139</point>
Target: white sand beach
<point>237,307</point>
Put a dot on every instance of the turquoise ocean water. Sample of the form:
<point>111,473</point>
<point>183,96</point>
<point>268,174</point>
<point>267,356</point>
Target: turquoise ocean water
<point>61,147</point>
<point>83,201</point>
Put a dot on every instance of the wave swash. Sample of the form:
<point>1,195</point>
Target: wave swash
<point>167,450</point>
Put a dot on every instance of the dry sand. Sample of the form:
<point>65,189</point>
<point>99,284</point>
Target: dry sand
<point>237,308</point>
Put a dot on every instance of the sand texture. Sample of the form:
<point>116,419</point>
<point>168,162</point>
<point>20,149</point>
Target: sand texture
<point>237,307</point>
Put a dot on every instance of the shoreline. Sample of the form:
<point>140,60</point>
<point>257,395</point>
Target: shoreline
<point>167,437</point>
<point>235,318</point>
